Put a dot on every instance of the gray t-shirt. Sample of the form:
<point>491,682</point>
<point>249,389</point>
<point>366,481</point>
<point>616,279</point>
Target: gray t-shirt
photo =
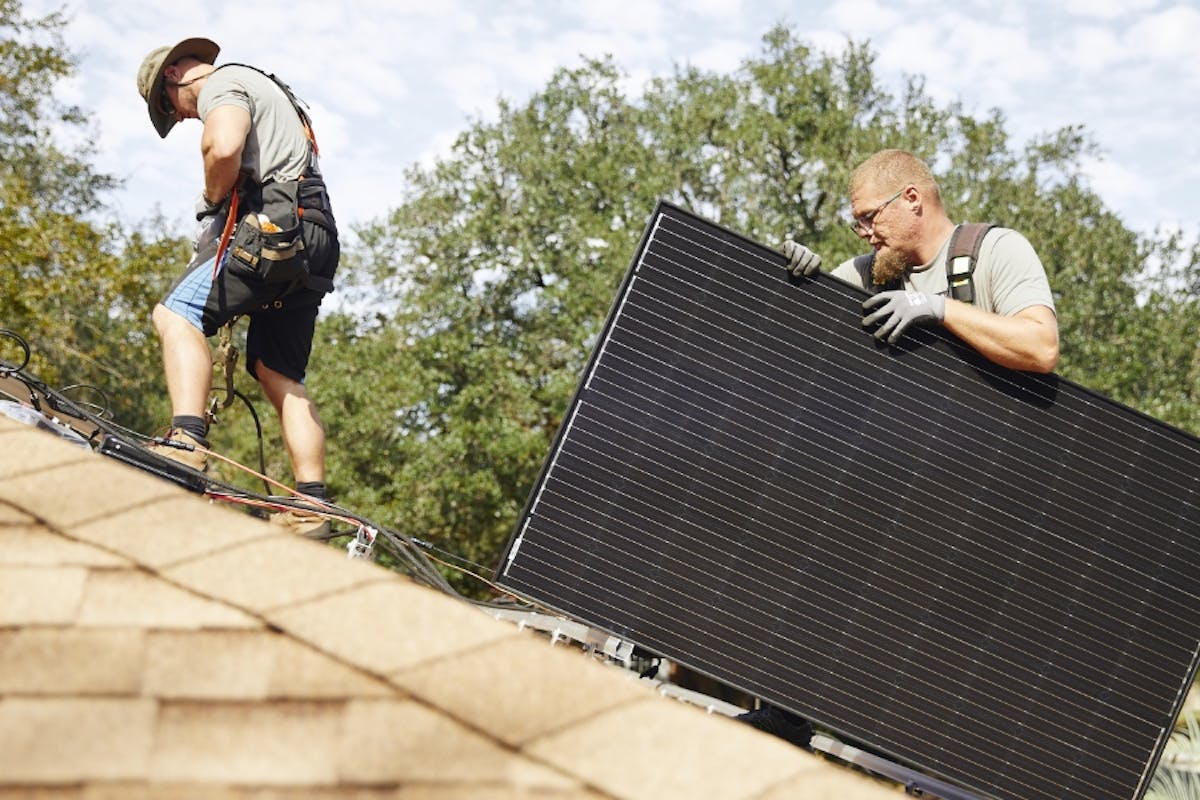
<point>1009,276</point>
<point>276,147</point>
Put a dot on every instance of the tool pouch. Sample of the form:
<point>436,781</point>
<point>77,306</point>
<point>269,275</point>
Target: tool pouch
<point>269,243</point>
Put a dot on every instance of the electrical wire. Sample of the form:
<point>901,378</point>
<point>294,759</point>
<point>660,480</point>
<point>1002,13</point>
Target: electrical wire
<point>5,368</point>
<point>105,411</point>
<point>411,555</point>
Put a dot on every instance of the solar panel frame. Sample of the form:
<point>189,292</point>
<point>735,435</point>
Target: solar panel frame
<point>911,546</point>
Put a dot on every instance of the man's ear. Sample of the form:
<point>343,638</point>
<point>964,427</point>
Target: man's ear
<point>171,74</point>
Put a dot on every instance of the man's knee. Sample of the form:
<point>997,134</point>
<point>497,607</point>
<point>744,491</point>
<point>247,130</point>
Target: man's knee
<point>168,322</point>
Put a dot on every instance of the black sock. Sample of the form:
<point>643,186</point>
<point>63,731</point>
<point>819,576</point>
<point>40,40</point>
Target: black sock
<point>192,426</point>
<point>312,489</point>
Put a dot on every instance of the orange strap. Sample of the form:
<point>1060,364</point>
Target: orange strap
<point>312,137</point>
<point>227,233</point>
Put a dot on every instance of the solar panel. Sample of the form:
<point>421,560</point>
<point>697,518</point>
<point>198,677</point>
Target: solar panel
<point>986,574</point>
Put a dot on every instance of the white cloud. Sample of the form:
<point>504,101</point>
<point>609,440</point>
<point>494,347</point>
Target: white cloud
<point>713,10</point>
<point>1108,10</point>
<point>1117,184</point>
<point>1166,36</point>
<point>724,55</point>
<point>1090,50</point>
<point>630,17</point>
<point>859,17</point>
<point>392,82</point>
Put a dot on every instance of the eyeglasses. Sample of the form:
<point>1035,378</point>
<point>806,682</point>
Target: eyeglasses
<point>864,224</point>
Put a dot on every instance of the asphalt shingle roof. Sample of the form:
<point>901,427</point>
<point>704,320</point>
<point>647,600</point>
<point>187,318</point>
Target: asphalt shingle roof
<point>153,645</point>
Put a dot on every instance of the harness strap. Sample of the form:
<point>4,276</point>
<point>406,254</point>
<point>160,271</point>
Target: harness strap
<point>226,358</point>
<point>227,232</point>
<point>297,104</point>
<point>961,257</point>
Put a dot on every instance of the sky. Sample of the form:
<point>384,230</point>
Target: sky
<point>391,83</point>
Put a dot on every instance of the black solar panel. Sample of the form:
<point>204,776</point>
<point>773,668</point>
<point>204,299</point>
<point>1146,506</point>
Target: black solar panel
<point>985,574</point>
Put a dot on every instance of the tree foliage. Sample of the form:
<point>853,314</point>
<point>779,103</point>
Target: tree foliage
<point>79,289</point>
<point>501,261</point>
<point>475,304</point>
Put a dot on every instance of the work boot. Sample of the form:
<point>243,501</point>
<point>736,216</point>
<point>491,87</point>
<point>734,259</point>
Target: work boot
<point>303,522</point>
<point>196,459</point>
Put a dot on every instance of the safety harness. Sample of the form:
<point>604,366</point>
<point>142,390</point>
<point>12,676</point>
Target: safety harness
<point>961,257</point>
<point>310,198</point>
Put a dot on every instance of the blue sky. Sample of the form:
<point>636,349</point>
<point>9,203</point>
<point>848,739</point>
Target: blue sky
<point>391,82</point>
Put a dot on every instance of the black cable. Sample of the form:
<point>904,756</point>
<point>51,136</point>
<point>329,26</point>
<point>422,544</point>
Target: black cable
<point>262,458</point>
<point>104,411</point>
<point>6,369</point>
<point>406,550</point>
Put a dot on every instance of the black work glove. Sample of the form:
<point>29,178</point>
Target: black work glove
<point>801,260</point>
<point>901,308</point>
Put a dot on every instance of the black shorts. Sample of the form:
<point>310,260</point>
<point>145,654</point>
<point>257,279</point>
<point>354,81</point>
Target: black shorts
<point>281,322</point>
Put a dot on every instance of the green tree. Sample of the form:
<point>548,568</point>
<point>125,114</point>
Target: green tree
<point>503,257</point>
<point>78,288</point>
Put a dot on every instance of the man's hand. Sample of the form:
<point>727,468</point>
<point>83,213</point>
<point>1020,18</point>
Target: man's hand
<point>801,260</point>
<point>208,223</point>
<point>206,207</point>
<point>902,308</point>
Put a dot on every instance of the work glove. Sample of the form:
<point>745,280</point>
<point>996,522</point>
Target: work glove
<point>209,223</point>
<point>801,260</point>
<point>207,208</point>
<point>901,308</point>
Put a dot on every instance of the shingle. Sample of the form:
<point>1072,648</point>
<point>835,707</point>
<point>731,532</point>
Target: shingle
<point>25,450</point>
<point>38,546</point>
<point>197,791</point>
<point>493,792</point>
<point>70,661</point>
<point>125,598</point>
<point>174,528</point>
<point>248,665</point>
<point>41,793</point>
<point>70,740</point>
<point>299,570</point>
<point>40,595</point>
<point>82,490</point>
<point>385,741</point>
<point>521,688</point>
<point>406,625</point>
<point>276,743</point>
<point>11,515</point>
<point>663,749</point>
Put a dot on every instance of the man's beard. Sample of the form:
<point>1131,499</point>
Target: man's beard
<point>889,265</point>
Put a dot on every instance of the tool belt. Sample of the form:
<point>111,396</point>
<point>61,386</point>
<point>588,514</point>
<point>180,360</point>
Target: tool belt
<point>268,239</point>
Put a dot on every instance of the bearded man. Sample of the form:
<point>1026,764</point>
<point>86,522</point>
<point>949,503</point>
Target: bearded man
<point>896,207</point>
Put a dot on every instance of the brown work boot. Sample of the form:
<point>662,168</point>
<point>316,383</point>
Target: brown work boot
<point>303,522</point>
<point>189,457</point>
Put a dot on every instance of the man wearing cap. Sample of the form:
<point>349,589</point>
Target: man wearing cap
<point>256,142</point>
